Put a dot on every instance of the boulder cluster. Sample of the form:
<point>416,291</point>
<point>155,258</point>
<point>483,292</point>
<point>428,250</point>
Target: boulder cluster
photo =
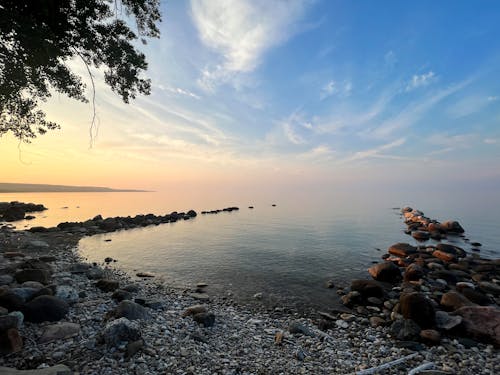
<point>14,211</point>
<point>432,290</point>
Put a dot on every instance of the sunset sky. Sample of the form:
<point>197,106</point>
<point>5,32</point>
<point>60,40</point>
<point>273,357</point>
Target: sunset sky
<point>291,93</point>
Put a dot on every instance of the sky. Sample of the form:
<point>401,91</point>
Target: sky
<point>291,94</point>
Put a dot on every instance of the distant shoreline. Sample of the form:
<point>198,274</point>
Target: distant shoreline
<point>45,188</point>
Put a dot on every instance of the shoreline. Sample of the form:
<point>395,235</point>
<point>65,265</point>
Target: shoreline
<point>241,340</point>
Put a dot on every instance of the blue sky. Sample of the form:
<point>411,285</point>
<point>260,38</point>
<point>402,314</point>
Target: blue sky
<point>328,87</point>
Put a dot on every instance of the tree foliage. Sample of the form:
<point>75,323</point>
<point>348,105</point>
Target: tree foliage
<point>39,37</point>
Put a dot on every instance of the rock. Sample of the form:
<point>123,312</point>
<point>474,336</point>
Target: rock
<point>200,296</point>
<point>377,321</point>
<point>11,301</point>
<point>191,213</point>
<point>154,304</point>
<point>387,272</point>
<point>451,249</point>
<point>367,288</point>
<point>107,285</point>
<point>13,214</point>
<point>430,336</point>
<point>405,329</point>
<point>67,293</point>
<point>374,301</point>
<point>120,330</point>
<point>447,257</point>
<point>59,331</point>
<point>204,318</point>
<point>413,272</point>
<point>32,284</point>
<point>489,287</point>
<point>452,226</point>
<point>54,370</point>
<point>10,342</point>
<point>25,293</point>
<point>296,327</point>
<point>417,307</point>
<point>410,345</point>
<point>481,322</point>
<point>37,244</point>
<point>8,322</point>
<point>45,308</point>
<point>94,273</point>
<point>401,249</point>
<point>351,298</point>
<point>121,295</point>
<point>330,284</point>
<point>41,276</point>
<point>108,260</point>
<point>133,347</point>
<point>476,296</point>
<point>453,300</point>
<point>446,321</point>
<point>130,310</point>
<point>195,309</point>
<point>132,288</point>
<point>342,324</point>
<point>421,235</point>
<point>6,280</point>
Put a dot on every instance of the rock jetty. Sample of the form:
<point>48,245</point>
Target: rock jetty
<point>61,315</point>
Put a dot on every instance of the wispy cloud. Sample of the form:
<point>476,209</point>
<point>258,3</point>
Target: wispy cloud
<point>390,59</point>
<point>468,105</point>
<point>240,32</point>
<point>179,91</point>
<point>493,98</point>
<point>421,80</point>
<point>377,152</point>
<point>490,141</point>
<point>335,88</point>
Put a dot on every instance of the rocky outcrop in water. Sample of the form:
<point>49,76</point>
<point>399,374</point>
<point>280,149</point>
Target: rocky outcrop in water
<point>14,211</point>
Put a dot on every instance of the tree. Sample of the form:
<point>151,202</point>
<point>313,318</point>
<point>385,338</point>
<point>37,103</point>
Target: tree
<point>39,37</point>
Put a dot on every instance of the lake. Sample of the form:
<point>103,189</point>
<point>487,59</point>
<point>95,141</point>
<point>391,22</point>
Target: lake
<point>287,252</point>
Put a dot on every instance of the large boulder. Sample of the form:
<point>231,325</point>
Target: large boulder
<point>120,330</point>
<point>45,308</point>
<point>417,307</point>
<point>401,249</point>
<point>452,226</point>
<point>453,300</point>
<point>387,272</point>
<point>13,214</point>
<point>41,276</point>
<point>481,322</point>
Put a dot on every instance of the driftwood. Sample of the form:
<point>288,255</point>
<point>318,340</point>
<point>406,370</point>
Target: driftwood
<point>385,366</point>
<point>422,367</point>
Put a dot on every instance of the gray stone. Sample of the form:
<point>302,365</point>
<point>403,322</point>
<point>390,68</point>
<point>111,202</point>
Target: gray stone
<point>6,279</point>
<point>67,293</point>
<point>446,321</point>
<point>205,318</point>
<point>59,331</point>
<point>131,311</point>
<point>405,329</point>
<point>299,328</point>
<point>46,308</point>
<point>120,330</point>
<point>25,293</point>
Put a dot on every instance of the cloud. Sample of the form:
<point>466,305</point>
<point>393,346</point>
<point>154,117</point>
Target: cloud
<point>376,152</point>
<point>421,80</point>
<point>240,32</point>
<point>493,98</point>
<point>332,88</point>
<point>179,91</point>
<point>390,59</point>
<point>467,106</point>
<point>490,141</point>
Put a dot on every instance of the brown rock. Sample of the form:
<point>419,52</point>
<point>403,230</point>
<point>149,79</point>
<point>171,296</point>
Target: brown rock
<point>481,322</point>
<point>413,272</point>
<point>10,341</point>
<point>401,249</point>
<point>430,335</point>
<point>195,309</point>
<point>367,288</point>
<point>387,272</point>
<point>452,226</point>
<point>59,331</point>
<point>447,257</point>
<point>420,235</point>
<point>417,307</point>
<point>453,300</point>
<point>376,321</point>
<point>42,276</point>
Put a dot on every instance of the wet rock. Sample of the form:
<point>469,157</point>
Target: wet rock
<point>413,272</point>
<point>120,330</point>
<point>446,321</point>
<point>45,308</point>
<point>387,272</point>
<point>204,318</point>
<point>59,331</point>
<point>453,300</point>
<point>131,311</point>
<point>41,276</point>
<point>476,296</point>
<point>145,274</point>
<point>481,322</point>
<point>330,284</point>
<point>402,249</point>
<point>405,329</point>
<point>13,214</point>
<point>107,285</point>
<point>451,249</point>
<point>352,298</point>
<point>447,257</point>
<point>452,226</point>
<point>418,307</point>
<point>367,288</point>
<point>191,213</point>
<point>420,235</point>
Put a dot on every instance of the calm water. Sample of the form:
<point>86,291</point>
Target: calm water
<point>286,252</point>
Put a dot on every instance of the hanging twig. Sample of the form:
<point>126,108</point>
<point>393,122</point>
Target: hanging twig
<point>385,366</point>
<point>93,129</point>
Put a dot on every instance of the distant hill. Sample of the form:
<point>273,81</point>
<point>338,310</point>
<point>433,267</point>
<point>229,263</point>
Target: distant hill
<point>42,188</point>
